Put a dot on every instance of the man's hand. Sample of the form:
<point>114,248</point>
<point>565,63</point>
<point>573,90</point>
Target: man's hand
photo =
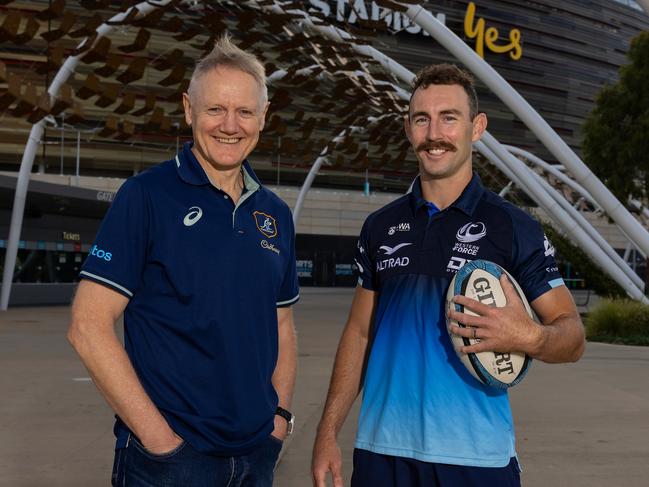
<point>506,329</point>
<point>326,457</point>
<point>163,445</point>
<point>281,428</point>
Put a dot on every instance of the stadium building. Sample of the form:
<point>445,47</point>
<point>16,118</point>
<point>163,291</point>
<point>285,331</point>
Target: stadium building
<point>117,112</point>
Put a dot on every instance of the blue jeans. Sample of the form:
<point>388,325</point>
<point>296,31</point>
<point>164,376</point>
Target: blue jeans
<point>185,467</point>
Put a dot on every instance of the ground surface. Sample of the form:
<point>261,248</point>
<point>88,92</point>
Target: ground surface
<point>578,425</point>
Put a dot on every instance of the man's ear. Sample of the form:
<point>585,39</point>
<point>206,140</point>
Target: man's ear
<point>188,109</point>
<point>263,116</point>
<point>407,127</point>
<point>479,126</point>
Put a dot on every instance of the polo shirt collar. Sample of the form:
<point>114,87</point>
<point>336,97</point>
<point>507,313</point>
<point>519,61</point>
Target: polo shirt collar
<point>466,202</point>
<point>191,171</point>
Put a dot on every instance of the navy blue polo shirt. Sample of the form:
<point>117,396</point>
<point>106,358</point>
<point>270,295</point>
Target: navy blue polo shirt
<point>204,279</point>
<point>419,401</point>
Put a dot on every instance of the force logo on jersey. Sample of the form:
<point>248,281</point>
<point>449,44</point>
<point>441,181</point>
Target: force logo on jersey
<point>265,224</point>
<point>471,232</point>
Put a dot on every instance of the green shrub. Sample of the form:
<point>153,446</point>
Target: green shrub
<point>618,321</point>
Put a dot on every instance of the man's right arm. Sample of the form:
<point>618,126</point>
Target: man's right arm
<point>95,310</point>
<point>343,389</point>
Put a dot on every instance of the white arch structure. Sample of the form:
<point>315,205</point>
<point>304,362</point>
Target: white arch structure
<point>524,111</point>
<point>556,206</point>
<point>534,185</point>
<point>35,135</point>
<point>645,5</point>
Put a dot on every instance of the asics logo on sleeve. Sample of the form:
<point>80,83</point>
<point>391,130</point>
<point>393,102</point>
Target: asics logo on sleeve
<point>195,214</point>
<point>392,250</point>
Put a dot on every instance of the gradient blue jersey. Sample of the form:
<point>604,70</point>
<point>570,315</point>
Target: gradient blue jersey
<point>419,401</point>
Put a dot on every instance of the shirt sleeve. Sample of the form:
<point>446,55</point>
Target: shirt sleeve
<point>118,254</point>
<point>366,278</point>
<point>289,292</point>
<point>534,266</point>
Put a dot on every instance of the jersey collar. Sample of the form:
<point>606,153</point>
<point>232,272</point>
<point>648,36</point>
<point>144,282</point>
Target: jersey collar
<point>467,201</point>
<point>191,171</point>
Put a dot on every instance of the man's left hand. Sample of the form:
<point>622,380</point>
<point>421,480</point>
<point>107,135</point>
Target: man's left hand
<point>281,428</point>
<point>506,329</point>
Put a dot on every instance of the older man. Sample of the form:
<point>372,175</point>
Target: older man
<point>425,421</point>
<point>200,259</point>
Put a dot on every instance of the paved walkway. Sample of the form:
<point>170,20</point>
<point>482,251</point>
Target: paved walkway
<point>578,425</point>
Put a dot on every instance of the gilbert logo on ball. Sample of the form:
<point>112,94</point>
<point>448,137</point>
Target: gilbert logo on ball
<point>480,280</point>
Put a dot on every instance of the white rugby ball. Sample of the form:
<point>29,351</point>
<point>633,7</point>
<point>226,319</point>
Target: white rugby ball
<point>479,280</point>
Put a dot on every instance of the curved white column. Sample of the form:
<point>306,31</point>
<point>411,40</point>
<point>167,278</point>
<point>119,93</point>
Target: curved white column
<point>33,142</point>
<point>616,210</point>
<point>644,4</point>
<point>577,227</point>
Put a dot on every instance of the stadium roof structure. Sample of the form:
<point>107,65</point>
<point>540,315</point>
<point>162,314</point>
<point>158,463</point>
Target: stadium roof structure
<point>119,72</point>
<point>126,90</point>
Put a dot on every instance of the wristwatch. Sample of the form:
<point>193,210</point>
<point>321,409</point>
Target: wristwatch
<point>288,416</point>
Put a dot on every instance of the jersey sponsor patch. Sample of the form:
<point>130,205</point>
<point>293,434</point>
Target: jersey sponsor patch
<point>391,250</point>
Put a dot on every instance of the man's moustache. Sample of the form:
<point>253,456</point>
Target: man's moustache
<point>432,145</point>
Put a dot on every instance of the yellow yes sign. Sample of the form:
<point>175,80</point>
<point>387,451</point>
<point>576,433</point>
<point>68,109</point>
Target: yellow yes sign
<point>489,37</point>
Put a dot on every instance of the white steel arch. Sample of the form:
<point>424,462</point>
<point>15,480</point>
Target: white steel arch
<point>555,172</point>
<point>322,158</point>
<point>546,197</point>
<point>517,104</point>
<point>34,140</point>
<point>561,211</point>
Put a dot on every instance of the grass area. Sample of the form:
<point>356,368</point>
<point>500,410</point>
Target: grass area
<point>618,321</point>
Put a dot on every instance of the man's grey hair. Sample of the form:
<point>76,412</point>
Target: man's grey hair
<point>226,53</point>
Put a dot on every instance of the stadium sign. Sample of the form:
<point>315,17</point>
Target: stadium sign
<point>351,11</point>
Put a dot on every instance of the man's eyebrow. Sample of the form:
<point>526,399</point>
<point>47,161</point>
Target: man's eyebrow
<point>420,114</point>
<point>451,111</point>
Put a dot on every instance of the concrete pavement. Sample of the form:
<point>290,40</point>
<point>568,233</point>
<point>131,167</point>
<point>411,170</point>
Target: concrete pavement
<point>583,424</point>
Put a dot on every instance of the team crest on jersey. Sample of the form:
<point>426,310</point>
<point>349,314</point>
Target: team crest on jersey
<point>471,232</point>
<point>265,224</point>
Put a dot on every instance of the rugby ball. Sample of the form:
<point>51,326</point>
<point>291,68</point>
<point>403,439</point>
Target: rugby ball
<point>479,280</point>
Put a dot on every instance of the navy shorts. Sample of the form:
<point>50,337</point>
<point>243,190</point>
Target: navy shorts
<point>376,470</point>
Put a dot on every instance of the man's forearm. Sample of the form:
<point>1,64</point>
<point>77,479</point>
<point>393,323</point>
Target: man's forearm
<point>111,370</point>
<point>560,341</point>
<point>345,381</point>
<point>285,370</point>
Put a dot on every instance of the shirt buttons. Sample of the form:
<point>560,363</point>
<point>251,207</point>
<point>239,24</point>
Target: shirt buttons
<point>225,196</point>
